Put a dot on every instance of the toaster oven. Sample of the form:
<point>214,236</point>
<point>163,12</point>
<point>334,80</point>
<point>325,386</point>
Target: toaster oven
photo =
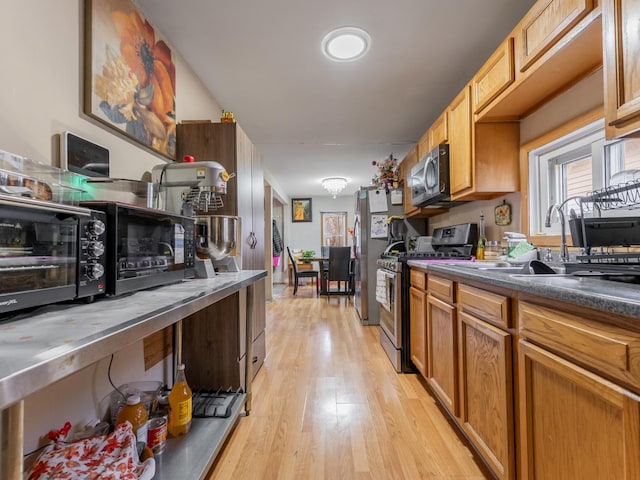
<point>146,247</point>
<point>49,253</point>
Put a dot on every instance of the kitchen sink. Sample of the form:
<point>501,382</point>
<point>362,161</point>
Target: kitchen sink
<point>507,268</point>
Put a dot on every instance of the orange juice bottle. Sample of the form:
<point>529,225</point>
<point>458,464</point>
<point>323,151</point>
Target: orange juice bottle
<point>180,403</point>
<point>137,415</point>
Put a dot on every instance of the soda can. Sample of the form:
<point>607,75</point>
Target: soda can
<point>157,434</point>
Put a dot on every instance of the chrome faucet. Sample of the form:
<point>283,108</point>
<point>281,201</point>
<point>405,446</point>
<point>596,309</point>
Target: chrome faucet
<point>564,250</point>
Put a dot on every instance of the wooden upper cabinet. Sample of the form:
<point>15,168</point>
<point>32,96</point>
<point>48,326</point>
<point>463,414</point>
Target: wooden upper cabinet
<point>439,133</point>
<point>424,146</point>
<point>494,76</point>
<point>546,23</point>
<point>621,66</point>
<point>459,116</point>
<point>483,157</point>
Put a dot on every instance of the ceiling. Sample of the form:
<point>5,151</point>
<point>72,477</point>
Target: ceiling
<point>313,118</point>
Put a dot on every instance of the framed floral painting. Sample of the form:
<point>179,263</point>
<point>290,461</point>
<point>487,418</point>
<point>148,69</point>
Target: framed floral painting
<point>130,77</point>
<point>301,210</point>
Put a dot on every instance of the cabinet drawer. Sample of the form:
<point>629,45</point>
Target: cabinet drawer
<point>609,349</point>
<point>419,279</point>
<point>441,288</point>
<point>495,76</point>
<point>545,24</point>
<point>485,305</point>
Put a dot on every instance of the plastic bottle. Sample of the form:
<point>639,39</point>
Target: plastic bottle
<point>137,415</point>
<point>180,403</point>
<point>482,239</point>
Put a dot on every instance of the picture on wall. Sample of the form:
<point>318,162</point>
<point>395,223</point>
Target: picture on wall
<point>129,75</point>
<point>301,210</point>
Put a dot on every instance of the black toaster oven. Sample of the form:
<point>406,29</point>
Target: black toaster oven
<point>49,253</point>
<point>146,247</point>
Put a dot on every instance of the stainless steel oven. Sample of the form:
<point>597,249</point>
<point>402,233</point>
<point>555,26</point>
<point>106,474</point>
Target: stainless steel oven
<point>389,296</point>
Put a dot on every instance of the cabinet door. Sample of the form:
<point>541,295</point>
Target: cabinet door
<point>418,329</point>
<point>574,424</point>
<point>546,23</point>
<point>459,114</point>
<point>495,75</point>
<point>439,131</point>
<point>442,352</point>
<point>486,394</point>
<point>409,162</point>
<point>621,68</point>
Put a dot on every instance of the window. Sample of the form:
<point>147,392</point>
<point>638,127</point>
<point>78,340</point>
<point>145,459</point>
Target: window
<point>334,229</point>
<point>567,168</point>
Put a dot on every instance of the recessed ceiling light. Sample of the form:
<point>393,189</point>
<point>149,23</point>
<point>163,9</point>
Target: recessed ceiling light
<point>346,44</point>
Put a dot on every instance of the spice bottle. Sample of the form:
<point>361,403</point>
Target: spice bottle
<point>180,403</point>
<point>134,412</point>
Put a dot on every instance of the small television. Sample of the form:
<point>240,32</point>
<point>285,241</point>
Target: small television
<point>82,156</point>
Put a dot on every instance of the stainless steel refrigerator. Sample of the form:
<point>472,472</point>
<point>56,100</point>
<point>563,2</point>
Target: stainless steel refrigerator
<point>367,250</point>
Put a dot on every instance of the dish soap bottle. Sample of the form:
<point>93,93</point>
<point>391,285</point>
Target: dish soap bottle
<point>137,415</point>
<point>482,239</point>
<point>180,404</point>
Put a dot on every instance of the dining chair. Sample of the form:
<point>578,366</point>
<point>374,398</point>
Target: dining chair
<point>299,274</point>
<point>338,271</point>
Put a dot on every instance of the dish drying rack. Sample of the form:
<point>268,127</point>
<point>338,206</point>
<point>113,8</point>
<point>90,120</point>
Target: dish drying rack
<point>625,229</point>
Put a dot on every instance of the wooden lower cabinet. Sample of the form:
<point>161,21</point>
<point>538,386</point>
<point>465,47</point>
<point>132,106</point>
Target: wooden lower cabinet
<point>442,352</point>
<point>574,424</point>
<point>486,392</point>
<point>418,329</point>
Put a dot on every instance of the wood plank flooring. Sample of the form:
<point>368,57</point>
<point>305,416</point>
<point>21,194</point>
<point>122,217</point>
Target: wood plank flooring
<point>327,404</point>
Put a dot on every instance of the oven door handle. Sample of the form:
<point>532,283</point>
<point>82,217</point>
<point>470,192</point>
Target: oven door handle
<point>41,205</point>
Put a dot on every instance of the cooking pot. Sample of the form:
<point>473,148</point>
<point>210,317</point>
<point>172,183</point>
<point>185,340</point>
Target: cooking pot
<point>216,235</point>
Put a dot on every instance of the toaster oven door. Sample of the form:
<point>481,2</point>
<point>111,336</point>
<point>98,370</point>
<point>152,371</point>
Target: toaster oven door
<point>38,257</point>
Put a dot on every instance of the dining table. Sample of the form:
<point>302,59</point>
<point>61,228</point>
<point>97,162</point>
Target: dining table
<point>322,261</point>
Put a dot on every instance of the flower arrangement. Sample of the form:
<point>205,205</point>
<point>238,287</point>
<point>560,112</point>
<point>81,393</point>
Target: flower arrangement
<point>387,172</point>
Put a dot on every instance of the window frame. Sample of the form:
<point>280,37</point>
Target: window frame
<point>527,194</point>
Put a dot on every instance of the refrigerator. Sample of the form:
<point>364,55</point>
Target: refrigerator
<point>368,245</point>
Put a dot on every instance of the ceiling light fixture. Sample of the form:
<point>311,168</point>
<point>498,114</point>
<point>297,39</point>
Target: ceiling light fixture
<point>334,185</point>
<point>346,44</point>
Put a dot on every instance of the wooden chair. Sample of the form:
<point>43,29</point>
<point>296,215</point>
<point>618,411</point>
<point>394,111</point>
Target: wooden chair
<point>338,271</point>
<point>298,274</point>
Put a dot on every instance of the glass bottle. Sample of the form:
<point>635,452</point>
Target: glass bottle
<point>482,239</point>
<point>137,415</point>
<point>180,403</point>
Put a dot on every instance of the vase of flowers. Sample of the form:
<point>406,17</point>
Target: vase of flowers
<point>387,175</point>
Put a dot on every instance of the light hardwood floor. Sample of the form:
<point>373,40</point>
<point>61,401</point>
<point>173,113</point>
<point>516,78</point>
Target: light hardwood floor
<point>328,405</point>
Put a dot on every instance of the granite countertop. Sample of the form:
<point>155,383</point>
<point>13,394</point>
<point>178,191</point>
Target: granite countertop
<point>47,344</point>
<point>604,295</point>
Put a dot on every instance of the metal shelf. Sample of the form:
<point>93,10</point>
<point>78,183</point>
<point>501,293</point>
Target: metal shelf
<point>192,455</point>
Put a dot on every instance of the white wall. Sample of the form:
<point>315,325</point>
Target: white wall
<point>40,97</point>
<point>306,235</point>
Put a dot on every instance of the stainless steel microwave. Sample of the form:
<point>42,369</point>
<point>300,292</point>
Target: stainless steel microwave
<point>429,179</point>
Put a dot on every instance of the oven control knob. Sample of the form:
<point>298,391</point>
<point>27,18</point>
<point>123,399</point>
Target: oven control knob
<point>95,227</point>
<point>95,271</point>
<point>95,249</point>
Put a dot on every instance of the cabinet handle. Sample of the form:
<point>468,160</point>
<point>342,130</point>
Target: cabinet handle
<point>253,241</point>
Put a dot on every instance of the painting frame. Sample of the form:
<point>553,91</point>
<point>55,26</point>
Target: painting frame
<point>133,97</point>
<point>301,210</point>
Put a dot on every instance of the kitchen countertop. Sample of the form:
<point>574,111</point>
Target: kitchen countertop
<point>47,344</point>
<point>604,295</point>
